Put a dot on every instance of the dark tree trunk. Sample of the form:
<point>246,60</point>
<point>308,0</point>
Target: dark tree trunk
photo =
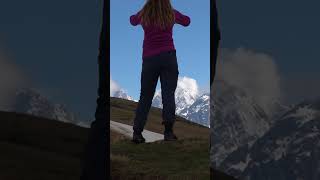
<point>96,160</point>
<point>215,39</point>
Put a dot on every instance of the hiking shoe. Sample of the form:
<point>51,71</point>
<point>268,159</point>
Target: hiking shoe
<point>170,136</point>
<point>168,132</point>
<point>138,138</point>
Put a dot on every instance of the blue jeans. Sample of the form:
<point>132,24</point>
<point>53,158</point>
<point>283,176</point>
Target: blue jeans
<point>165,66</point>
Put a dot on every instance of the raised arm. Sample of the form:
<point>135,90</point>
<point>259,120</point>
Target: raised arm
<point>135,19</point>
<point>181,19</point>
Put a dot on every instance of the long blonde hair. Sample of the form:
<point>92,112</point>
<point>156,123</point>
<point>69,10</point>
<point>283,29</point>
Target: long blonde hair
<point>157,12</point>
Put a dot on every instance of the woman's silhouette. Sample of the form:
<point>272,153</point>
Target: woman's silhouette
<point>157,19</point>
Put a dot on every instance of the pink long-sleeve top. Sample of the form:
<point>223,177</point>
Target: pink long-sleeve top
<point>157,40</point>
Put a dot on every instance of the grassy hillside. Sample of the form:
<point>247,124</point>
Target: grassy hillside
<point>187,158</point>
<point>33,148</point>
<point>37,148</point>
<point>123,111</point>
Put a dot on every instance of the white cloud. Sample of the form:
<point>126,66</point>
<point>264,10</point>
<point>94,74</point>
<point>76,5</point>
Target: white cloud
<point>11,79</point>
<point>186,93</point>
<point>186,86</point>
<point>256,73</point>
<point>114,87</point>
<point>117,91</point>
<point>189,84</point>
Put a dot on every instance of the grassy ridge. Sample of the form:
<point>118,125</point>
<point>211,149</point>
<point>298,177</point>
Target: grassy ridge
<point>187,158</point>
<point>124,111</point>
<point>33,148</point>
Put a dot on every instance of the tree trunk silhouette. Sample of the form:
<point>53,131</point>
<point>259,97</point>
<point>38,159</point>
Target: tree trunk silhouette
<point>215,40</point>
<point>97,149</point>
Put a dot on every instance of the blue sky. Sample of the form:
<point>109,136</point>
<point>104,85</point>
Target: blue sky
<point>55,43</point>
<point>192,44</point>
<point>286,30</point>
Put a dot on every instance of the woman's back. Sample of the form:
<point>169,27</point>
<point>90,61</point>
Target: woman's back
<point>157,39</point>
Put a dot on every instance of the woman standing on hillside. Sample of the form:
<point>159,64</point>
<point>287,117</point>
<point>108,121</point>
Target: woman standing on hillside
<point>157,19</point>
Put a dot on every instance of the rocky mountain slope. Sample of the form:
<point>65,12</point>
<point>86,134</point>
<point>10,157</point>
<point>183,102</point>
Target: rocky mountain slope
<point>32,102</point>
<point>289,150</point>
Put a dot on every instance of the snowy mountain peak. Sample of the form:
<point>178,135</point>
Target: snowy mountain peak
<point>289,149</point>
<point>205,97</point>
<point>236,120</point>
<point>157,99</point>
<point>199,111</point>
<point>185,95</point>
<point>32,102</point>
<point>122,94</point>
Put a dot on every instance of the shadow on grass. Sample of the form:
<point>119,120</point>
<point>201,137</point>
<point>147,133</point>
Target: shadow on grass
<point>186,159</point>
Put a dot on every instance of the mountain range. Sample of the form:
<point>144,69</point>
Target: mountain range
<point>30,101</point>
<point>190,104</point>
<point>122,94</point>
<point>248,143</point>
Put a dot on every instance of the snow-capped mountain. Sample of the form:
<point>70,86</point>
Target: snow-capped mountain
<point>198,112</point>
<point>290,150</point>
<point>184,97</point>
<point>157,100</point>
<point>236,120</point>
<point>31,102</point>
<point>278,111</point>
<point>122,94</point>
<point>190,103</point>
<point>195,108</point>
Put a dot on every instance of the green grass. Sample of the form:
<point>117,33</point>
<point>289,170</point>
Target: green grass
<point>187,158</point>
<point>33,148</point>
<point>123,111</point>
